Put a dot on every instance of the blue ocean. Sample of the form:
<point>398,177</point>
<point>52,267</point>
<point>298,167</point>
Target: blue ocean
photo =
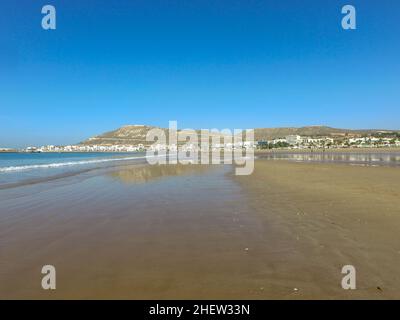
<point>17,167</point>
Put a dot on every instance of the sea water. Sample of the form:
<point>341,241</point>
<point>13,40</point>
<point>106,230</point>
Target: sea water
<point>17,167</point>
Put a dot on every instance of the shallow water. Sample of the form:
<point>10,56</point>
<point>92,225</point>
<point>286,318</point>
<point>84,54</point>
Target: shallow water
<point>16,168</point>
<point>369,159</point>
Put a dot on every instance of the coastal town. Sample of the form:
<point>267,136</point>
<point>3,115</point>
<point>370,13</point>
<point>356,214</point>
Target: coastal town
<point>289,142</point>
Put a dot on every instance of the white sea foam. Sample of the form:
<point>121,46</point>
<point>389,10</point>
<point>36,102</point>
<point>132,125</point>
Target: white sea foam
<point>64,164</point>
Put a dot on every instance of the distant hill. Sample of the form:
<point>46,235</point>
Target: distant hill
<point>136,134</point>
<point>126,135</point>
<point>312,131</point>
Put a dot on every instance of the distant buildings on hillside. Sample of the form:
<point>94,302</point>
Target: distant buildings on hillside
<point>87,148</point>
<point>288,142</point>
<point>7,150</point>
<point>304,142</point>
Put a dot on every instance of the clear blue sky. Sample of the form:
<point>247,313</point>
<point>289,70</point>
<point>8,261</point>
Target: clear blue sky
<point>206,64</point>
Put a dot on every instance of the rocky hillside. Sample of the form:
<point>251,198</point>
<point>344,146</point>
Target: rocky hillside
<point>126,135</point>
<point>312,131</point>
<point>136,134</point>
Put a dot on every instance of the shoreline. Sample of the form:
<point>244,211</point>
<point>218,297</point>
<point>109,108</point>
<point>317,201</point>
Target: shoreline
<point>193,232</point>
<point>57,152</point>
<point>336,150</point>
<point>256,151</point>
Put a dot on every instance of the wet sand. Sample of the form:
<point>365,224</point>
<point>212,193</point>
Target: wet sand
<point>145,232</point>
<point>362,150</point>
<point>113,236</point>
<point>327,216</point>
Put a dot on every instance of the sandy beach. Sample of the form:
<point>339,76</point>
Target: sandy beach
<point>149,232</point>
<point>327,216</point>
<point>330,150</point>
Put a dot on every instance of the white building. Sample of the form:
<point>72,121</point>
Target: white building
<point>294,139</point>
<point>275,141</point>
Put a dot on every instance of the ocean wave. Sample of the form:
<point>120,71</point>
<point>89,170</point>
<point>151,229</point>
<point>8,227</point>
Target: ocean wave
<point>64,164</point>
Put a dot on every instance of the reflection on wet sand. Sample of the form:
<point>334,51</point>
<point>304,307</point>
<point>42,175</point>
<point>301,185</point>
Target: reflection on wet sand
<point>357,158</point>
<point>185,231</point>
<point>146,173</point>
<point>183,236</point>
